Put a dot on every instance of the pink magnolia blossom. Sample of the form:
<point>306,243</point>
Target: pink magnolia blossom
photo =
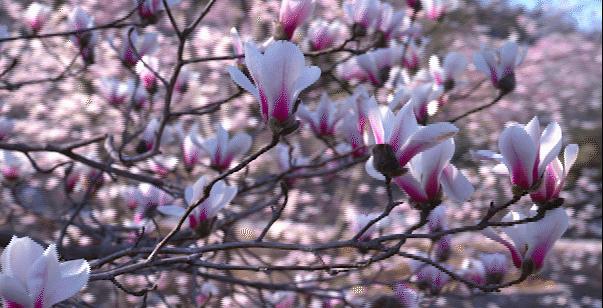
<point>279,75</point>
<point>146,73</point>
<point>184,80</point>
<point>34,277</point>
<point>36,16</point>
<point>360,220</point>
<point>222,149</point>
<point>324,119</point>
<point>7,125</point>
<point>323,34</point>
<point>142,45</point>
<point>191,152</point>
<point>294,13</point>
<point>145,199</point>
<point>148,135</point>
<point>353,125</point>
<point>554,176</point>
<point>407,296</point>
<point>500,64</point>
<point>424,99</point>
<point>526,152</point>
<point>363,12</point>
<point>219,197</point>
<point>114,91</point>
<point>431,278</point>
<point>474,271</point>
<point>449,72</point>
<point>533,240</point>
<point>403,134</point>
<point>11,165</point>
<point>412,58</point>
<point>162,165</point>
<point>436,9</point>
<point>496,267</point>
<point>283,299</point>
<point>391,21</point>
<point>206,292</point>
<point>432,174</point>
<point>85,41</point>
<point>148,10</point>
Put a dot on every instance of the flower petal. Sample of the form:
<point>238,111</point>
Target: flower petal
<point>550,145</point>
<point>425,138</point>
<point>519,153</point>
<point>455,184</point>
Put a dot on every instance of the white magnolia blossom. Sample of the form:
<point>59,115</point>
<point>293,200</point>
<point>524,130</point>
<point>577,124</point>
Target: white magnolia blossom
<point>219,197</point>
<point>115,92</point>
<point>447,74</point>
<point>141,45</point>
<point>436,9</point>
<point>279,75</point>
<point>526,152</point>
<point>324,118</point>
<point>533,240</point>
<point>363,12</point>
<point>554,176</point>
<point>148,9</point>
<point>294,13</point>
<point>403,134</point>
<point>473,270</point>
<point>146,73</point>
<point>223,149</point>
<point>496,266</point>
<point>500,64</point>
<point>407,296</point>
<point>323,34</point>
<point>12,165</point>
<point>32,277</point>
<point>85,41</point>
<point>36,16</point>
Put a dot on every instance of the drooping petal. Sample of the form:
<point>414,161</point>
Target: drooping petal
<point>171,210</point>
<point>73,277</point>
<point>550,145</point>
<point>433,162</point>
<point>515,254</point>
<point>544,233</point>
<point>570,154</point>
<point>455,184</point>
<point>242,80</point>
<point>238,145</point>
<point>425,138</point>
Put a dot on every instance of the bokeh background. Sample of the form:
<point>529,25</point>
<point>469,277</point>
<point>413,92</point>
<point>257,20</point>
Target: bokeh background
<point>560,80</point>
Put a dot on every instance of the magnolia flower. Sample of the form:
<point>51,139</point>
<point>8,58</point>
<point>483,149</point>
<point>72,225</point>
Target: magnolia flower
<point>533,240</point>
<point>184,79</point>
<point>142,45</point>
<point>324,119</point>
<point>141,96</point>
<point>293,14</point>
<point>360,220</point>
<point>34,277</point>
<point>36,16</point>
<point>148,136</point>
<point>148,10</point>
<point>219,197</point>
<point>447,74</point>
<point>222,149</point>
<point>114,91</point>
<point>474,271</point>
<point>554,176</point>
<point>432,174</point>
<point>191,152</point>
<point>402,137</point>
<point>407,296</point>
<point>237,45</point>
<point>390,21</point>
<point>11,165</point>
<point>436,9</point>
<point>375,63</point>
<point>279,75</point>
<point>206,292</point>
<point>80,20</point>
<point>495,267</point>
<point>526,152</point>
<point>412,58</point>
<point>424,99</point>
<point>323,34</point>
<point>7,126</point>
<point>147,73</point>
<point>287,159</point>
<point>500,64</point>
<point>431,278</point>
<point>363,12</point>
<point>162,165</point>
<point>145,199</point>
<point>439,222</point>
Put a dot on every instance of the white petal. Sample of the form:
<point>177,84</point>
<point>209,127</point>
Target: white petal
<point>519,153</point>
<point>239,78</point>
<point>455,184</point>
<point>425,138</point>
<point>550,145</point>
<point>13,291</point>
<point>74,277</point>
<point>18,257</point>
<point>308,76</point>
<point>570,154</point>
<point>171,210</point>
<point>239,144</point>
